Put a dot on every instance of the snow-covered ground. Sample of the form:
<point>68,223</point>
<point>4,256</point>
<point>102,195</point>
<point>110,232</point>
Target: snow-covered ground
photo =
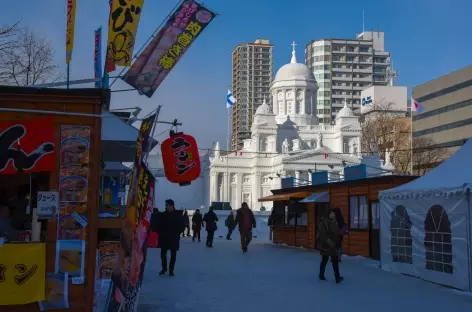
<point>283,279</point>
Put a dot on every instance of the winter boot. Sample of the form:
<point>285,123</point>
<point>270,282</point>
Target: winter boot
<point>339,280</point>
<point>163,272</point>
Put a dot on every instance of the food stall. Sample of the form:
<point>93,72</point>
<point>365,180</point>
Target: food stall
<point>297,211</point>
<point>52,142</point>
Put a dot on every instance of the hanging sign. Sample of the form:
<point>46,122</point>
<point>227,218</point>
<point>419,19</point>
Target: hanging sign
<point>26,146</point>
<point>47,204</point>
<point>181,158</point>
<point>165,50</point>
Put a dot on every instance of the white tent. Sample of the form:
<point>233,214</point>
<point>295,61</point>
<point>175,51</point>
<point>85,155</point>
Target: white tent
<point>426,225</point>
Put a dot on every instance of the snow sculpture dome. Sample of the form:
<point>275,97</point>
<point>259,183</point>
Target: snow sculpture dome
<point>293,93</point>
<point>345,111</point>
<point>263,109</point>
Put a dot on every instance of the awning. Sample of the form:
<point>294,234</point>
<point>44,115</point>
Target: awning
<point>286,196</point>
<point>322,197</point>
<point>119,139</point>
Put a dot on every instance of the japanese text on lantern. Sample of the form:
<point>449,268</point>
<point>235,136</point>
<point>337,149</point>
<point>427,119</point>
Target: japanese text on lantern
<point>192,29</point>
<point>185,160</point>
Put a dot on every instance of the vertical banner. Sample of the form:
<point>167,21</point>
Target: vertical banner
<point>73,182</point>
<point>122,28</point>
<point>168,46</point>
<point>22,273</point>
<point>98,57</point>
<point>109,65</point>
<point>127,275</point>
<point>71,7</point>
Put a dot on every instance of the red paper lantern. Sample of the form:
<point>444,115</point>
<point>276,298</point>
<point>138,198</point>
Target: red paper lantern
<point>181,158</point>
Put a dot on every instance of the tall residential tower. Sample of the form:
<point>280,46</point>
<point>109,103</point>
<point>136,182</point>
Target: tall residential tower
<point>252,76</point>
<point>344,67</point>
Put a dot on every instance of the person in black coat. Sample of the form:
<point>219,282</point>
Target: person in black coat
<point>210,220</point>
<point>342,229</point>
<point>230,224</point>
<point>154,220</point>
<point>197,222</point>
<point>187,224</point>
<point>170,226</point>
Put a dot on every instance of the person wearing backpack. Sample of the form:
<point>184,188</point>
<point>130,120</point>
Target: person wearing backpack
<point>210,218</point>
<point>328,237</point>
<point>230,224</point>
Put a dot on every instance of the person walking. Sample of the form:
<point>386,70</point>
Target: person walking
<point>210,218</point>
<point>186,224</point>
<point>246,222</point>
<point>328,236</point>
<point>271,223</point>
<point>230,224</point>
<point>342,226</point>
<point>197,221</point>
<point>170,226</point>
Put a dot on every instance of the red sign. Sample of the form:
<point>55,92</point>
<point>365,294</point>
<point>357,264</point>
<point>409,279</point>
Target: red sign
<point>180,158</point>
<point>26,146</point>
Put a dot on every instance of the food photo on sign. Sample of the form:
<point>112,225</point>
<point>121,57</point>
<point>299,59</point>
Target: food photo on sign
<point>181,159</point>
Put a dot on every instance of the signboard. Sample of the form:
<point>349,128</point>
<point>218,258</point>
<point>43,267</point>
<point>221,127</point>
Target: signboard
<point>47,204</point>
<point>357,172</point>
<point>366,100</point>
<point>287,182</point>
<point>319,177</point>
<point>165,50</point>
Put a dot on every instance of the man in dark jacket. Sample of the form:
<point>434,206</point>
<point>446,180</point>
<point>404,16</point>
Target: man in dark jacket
<point>230,224</point>
<point>210,218</point>
<point>246,222</point>
<point>328,237</point>
<point>197,221</point>
<point>170,226</point>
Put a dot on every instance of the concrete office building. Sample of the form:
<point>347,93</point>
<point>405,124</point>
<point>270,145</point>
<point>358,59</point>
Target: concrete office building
<point>345,67</point>
<point>252,77</point>
<point>447,115</point>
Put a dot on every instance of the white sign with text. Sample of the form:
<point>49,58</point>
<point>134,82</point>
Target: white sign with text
<point>47,204</point>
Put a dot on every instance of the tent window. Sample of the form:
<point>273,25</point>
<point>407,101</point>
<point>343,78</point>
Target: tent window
<point>401,242</point>
<point>438,240</point>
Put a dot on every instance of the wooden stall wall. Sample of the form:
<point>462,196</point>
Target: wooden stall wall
<point>77,101</point>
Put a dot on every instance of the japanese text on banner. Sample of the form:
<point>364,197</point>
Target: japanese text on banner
<point>22,273</point>
<point>122,28</point>
<point>71,7</point>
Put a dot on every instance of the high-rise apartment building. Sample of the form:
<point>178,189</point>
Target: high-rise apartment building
<point>252,76</point>
<point>345,67</point>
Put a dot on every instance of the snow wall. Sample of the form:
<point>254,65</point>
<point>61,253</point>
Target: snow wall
<point>427,235</point>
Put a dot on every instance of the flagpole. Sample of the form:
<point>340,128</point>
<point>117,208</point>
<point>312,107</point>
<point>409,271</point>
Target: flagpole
<point>411,140</point>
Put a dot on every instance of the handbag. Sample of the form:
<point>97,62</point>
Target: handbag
<point>153,239</point>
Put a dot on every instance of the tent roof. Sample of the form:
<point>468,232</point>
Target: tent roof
<point>453,175</point>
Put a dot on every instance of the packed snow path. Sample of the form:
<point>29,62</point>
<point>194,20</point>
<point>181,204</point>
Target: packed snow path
<point>282,279</point>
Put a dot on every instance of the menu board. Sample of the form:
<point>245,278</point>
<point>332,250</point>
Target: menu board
<point>73,182</point>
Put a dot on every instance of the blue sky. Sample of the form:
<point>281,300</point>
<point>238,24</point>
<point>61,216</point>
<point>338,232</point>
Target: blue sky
<point>427,39</point>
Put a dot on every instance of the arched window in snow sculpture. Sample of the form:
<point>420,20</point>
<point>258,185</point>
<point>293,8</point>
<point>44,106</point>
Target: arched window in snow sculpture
<point>401,242</point>
<point>438,240</point>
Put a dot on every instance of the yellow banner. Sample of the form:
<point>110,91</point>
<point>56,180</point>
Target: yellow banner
<point>22,273</point>
<point>122,28</point>
<point>71,6</point>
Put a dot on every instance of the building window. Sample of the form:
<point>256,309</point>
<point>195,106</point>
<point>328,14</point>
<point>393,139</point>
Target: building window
<point>301,213</point>
<point>438,240</point>
<point>246,197</point>
<point>358,216</point>
<point>401,242</point>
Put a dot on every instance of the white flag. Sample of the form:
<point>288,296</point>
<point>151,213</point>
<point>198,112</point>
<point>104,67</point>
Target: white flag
<point>230,100</point>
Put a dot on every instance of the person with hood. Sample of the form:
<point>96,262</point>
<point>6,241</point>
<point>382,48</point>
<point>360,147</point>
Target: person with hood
<point>197,221</point>
<point>342,230</point>
<point>170,226</point>
<point>210,218</point>
<point>230,224</point>
<point>246,222</point>
<point>186,224</point>
<point>328,237</point>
